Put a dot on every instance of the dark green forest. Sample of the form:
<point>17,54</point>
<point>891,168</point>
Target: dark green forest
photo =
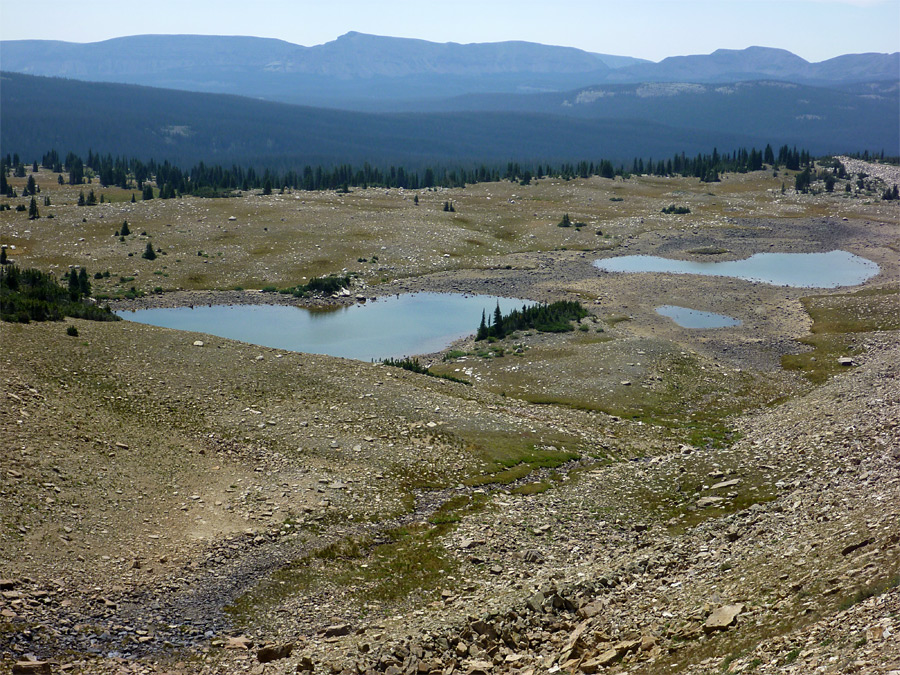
<point>187,128</point>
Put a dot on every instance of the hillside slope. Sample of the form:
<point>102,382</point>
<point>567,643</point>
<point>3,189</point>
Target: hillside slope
<point>185,127</point>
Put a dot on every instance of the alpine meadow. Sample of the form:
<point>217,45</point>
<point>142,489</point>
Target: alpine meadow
<point>403,356</point>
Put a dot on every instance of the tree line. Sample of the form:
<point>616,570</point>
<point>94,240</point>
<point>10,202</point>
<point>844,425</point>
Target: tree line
<point>165,180</point>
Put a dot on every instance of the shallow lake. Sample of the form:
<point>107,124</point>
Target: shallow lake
<point>391,327</point>
<point>694,318</point>
<point>801,270</point>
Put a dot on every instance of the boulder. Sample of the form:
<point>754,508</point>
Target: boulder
<point>726,484</point>
<point>337,630</point>
<point>605,659</point>
<point>722,618</point>
<point>273,652</point>
<point>480,668</point>
<point>703,502</point>
<point>31,668</point>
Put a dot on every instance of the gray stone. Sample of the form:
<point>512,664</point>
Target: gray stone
<point>534,556</point>
<point>726,484</point>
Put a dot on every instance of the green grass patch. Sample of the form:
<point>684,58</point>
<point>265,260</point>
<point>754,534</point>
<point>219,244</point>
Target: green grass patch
<point>509,458</point>
<point>531,488</point>
<point>866,592</point>
<point>405,561</point>
<point>836,318</point>
<point>453,510</point>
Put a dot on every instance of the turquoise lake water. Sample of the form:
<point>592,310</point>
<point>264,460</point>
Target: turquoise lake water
<point>694,318</point>
<point>800,270</point>
<point>391,327</point>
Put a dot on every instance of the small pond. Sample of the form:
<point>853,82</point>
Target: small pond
<point>801,270</point>
<point>390,327</point>
<point>694,318</point>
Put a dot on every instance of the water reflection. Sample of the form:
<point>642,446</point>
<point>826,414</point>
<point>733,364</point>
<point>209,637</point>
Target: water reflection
<point>694,318</point>
<point>801,270</point>
<point>394,327</point>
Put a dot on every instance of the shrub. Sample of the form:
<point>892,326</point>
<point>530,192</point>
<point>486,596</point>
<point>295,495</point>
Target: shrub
<point>414,366</point>
<point>678,210</point>
<point>568,222</point>
<point>71,330</point>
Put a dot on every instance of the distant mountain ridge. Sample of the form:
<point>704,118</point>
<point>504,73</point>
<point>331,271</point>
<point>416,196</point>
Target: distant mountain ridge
<point>755,63</point>
<point>353,66</point>
<point>358,70</point>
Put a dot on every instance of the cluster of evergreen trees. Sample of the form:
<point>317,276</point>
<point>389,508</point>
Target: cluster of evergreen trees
<point>553,318</point>
<point>213,180</point>
<point>413,366</point>
<point>32,295</point>
<point>328,285</point>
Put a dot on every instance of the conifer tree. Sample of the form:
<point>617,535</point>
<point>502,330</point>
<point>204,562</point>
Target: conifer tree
<point>124,231</point>
<point>33,210</point>
<point>84,286</point>
<point>149,253</point>
<point>74,290</point>
<point>480,335</point>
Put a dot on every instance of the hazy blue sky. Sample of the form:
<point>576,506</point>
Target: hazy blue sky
<point>652,29</point>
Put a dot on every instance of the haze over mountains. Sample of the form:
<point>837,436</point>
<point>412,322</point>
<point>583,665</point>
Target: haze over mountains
<point>413,102</point>
<point>357,70</point>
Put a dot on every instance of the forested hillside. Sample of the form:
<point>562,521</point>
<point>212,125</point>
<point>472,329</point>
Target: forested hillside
<point>185,128</point>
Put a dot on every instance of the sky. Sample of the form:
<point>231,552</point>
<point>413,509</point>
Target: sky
<point>652,29</point>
